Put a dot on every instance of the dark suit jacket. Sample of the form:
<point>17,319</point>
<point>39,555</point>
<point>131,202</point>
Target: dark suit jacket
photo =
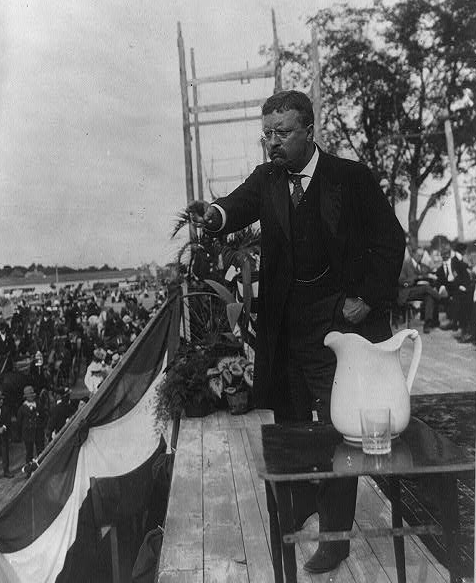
<point>5,419</point>
<point>7,352</point>
<point>27,420</point>
<point>365,242</point>
<point>460,272</point>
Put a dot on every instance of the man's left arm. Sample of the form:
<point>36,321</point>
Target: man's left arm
<point>463,278</point>
<point>383,243</point>
<point>6,419</point>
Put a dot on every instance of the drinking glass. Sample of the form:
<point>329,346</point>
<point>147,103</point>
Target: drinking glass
<point>376,430</point>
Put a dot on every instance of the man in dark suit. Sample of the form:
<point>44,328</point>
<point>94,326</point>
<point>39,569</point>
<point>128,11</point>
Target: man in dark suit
<point>5,427</point>
<point>331,253</point>
<point>61,411</point>
<point>454,284</point>
<point>7,347</point>
<point>415,283</point>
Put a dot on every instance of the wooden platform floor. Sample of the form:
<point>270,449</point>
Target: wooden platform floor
<point>217,522</point>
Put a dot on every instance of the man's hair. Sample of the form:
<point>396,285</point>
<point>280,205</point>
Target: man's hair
<point>288,100</point>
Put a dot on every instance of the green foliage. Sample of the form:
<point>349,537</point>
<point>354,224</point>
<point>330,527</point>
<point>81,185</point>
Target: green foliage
<point>389,76</point>
<point>210,256</point>
<point>186,381</point>
<point>241,246</point>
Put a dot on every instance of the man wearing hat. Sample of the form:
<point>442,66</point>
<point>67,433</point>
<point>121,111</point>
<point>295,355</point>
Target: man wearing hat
<point>29,424</point>
<point>46,330</point>
<point>5,423</point>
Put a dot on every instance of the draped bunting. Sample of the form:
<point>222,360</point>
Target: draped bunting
<point>111,444</point>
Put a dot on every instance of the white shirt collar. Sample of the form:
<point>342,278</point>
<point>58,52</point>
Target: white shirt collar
<point>310,167</point>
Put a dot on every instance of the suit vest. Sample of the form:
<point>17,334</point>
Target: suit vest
<point>310,255</point>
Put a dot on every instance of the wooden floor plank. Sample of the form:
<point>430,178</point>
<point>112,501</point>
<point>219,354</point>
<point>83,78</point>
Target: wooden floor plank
<point>258,485</point>
<point>222,417</point>
<point>373,511</point>
<point>184,522</point>
<point>181,576</point>
<point>252,419</point>
<point>233,422</point>
<point>266,415</point>
<point>225,571</point>
<point>184,547</point>
<point>210,422</point>
<point>363,565</point>
<point>445,366</point>
<point>419,545</point>
<point>223,550</point>
<point>258,557</point>
<point>260,493</point>
<point>219,503</point>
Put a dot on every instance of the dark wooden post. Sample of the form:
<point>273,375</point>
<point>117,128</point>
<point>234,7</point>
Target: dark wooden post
<point>198,153</point>
<point>278,85</point>
<point>316,86</point>
<point>187,138</point>
<point>454,175</point>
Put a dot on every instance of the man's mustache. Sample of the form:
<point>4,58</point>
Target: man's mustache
<point>277,152</point>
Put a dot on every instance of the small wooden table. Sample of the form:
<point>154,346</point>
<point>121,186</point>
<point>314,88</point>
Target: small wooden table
<point>284,454</point>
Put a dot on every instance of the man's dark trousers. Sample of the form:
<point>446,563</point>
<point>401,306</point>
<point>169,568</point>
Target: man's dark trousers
<point>304,383</point>
<point>4,438</point>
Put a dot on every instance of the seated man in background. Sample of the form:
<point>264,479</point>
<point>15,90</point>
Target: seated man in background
<point>454,284</point>
<point>469,331</point>
<point>415,284</point>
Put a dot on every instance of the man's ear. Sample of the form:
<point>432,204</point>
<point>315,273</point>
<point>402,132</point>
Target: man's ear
<point>310,132</point>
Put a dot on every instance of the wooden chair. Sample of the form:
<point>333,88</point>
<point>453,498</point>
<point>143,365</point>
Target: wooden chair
<point>408,311</point>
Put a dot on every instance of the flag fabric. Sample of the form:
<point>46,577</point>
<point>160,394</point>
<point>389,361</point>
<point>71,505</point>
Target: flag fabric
<point>97,470</point>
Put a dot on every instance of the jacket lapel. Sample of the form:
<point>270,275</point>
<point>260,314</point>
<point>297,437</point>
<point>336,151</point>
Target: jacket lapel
<point>331,204</point>
<point>330,196</point>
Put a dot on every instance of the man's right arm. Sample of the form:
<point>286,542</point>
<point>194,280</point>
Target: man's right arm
<point>206,215</point>
<point>233,212</point>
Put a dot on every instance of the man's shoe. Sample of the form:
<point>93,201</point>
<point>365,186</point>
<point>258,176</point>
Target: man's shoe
<point>8,475</point>
<point>426,327</point>
<point>328,557</point>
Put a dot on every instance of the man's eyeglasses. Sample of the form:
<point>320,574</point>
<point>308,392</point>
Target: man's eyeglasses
<point>282,135</point>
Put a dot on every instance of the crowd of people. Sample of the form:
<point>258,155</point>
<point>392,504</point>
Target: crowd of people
<point>442,279</point>
<point>44,347</point>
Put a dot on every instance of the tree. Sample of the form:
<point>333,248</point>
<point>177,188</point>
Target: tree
<point>470,197</point>
<point>390,76</point>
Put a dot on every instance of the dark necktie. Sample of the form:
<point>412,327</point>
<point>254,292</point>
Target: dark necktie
<point>298,190</point>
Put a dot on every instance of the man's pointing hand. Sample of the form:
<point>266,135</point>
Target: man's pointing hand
<point>203,214</point>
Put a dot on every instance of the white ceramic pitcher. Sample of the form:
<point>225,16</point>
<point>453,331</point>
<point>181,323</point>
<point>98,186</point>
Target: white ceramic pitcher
<point>370,376</point>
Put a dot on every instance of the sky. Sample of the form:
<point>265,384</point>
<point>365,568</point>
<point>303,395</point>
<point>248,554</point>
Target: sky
<point>91,139</point>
